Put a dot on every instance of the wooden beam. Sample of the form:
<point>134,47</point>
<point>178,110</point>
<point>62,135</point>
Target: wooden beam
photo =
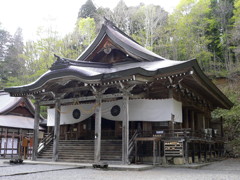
<point>56,130</point>
<point>74,89</point>
<point>81,99</point>
<point>36,130</point>
<point>98,122</point>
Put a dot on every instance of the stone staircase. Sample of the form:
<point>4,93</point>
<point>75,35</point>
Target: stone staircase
<point>111,150</point>
<point>83,151</point>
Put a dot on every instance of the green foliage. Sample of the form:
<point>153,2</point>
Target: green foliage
<point>231,117</point>
<point>87,30</point>
<point>190,21</point>
<point>87,10</point>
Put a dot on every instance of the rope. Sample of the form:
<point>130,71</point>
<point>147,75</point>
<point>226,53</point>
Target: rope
<point>89,111</point>
<point>76,102</point>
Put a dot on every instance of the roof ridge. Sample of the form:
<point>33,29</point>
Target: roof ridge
<point>65,62</point>
<point>112,25</point>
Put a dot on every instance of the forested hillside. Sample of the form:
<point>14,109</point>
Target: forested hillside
<point>208,30</point>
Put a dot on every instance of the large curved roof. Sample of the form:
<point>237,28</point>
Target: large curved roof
<point>94,65</point>
<point>97,72</point>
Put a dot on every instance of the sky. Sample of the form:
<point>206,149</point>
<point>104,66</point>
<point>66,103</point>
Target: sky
<point>59,14</point>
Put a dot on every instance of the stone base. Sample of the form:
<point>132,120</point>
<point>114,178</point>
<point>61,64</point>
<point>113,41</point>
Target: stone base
<point>178,161</point>
<point>100,165</point>
<point>190,160</point>
<point>196,159</point>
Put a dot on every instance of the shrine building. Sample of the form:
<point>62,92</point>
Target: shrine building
<point>121,102</point>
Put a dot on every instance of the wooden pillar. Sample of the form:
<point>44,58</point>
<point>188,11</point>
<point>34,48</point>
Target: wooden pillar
<point>36,130</point>
<point>186,118</point>
<point>222,133</point>
<point>154,153</point>
<point>56,130</point>
<point>186,151</point>
<point>203,121</point>
<point>125,129</point>
<point>205,152</point>
<point>172,124</point>
<point>193,121</point>
<point>136,152</point>
<point>193,152</point>
<point>98,122</point>
<point>200,152</point>
<point>210,151</point>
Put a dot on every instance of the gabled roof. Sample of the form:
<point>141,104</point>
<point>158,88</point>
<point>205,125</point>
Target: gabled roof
<point>7,102</point>
<point>8,119</point>
<point>120,40</point>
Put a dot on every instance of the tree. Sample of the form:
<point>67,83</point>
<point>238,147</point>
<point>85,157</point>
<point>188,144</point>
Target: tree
<point>188,25</point>
<point>87,10</point>
<point>4,40</point>
<point>235,38</point>
<point>13,60</point>
<point>87,30</point>
<point>223,12</point>
<point>120,17</point>
<point>154,21</point>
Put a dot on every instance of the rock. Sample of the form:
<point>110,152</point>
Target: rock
<point>100,165</point>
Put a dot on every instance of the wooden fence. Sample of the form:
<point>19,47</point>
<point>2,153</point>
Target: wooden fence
<point>16,145</point>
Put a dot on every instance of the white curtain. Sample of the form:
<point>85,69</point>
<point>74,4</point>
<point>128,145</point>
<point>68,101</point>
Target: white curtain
<point>139,110</point>
<point>155,110</point>
<point>66,117</point>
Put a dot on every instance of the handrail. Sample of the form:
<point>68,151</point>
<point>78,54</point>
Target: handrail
<point>181,133</point>
<point>45,141</point>
<point>131,142</point>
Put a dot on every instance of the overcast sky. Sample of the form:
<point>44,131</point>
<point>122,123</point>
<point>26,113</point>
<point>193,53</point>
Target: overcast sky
<point>61,14</point>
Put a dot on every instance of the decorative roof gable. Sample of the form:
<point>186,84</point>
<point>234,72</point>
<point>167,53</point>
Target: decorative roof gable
<point>112,45</point>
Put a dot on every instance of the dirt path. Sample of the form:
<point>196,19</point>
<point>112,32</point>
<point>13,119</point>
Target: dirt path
<point>222,170</point>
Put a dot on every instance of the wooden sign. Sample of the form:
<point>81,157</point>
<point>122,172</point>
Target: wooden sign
<point>25,142</point>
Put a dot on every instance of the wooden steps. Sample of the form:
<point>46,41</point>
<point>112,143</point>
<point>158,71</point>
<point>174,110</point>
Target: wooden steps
<point>111,150</point>
<point>83,151</point>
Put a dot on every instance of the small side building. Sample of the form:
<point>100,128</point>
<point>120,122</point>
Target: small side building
<point>16,125</point>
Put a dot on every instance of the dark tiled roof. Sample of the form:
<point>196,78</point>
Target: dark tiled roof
<point>123,41</point>
<point>143,62</point>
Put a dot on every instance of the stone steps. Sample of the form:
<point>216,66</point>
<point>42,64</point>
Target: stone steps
<point>83,150</point>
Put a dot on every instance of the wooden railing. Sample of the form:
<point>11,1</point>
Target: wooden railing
<point>45,142</point>
<point>131,142</point>
<point>181,133</point>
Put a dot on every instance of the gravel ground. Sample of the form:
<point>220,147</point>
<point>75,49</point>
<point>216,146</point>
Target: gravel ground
<point>221,170</point>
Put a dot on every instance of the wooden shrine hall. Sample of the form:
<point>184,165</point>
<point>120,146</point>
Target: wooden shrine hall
<point>121,102</point>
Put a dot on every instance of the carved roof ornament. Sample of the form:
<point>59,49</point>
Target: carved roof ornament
<point>60,63</point>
